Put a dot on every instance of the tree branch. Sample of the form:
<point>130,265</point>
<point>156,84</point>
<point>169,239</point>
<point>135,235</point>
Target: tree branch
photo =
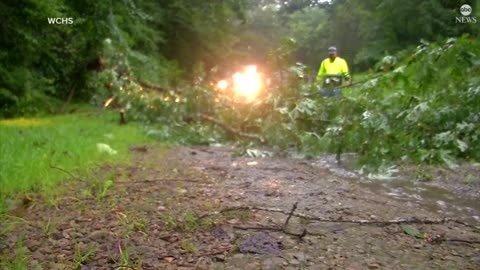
<point>231,130</point>
<point>152,86</point>
<point>463,241</point>
<point>275,229</point>
<point>161,179</point>
<point>411,220</point>
<point>290,215</point>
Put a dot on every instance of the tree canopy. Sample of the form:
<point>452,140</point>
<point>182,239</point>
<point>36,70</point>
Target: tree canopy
<point>168,41</point>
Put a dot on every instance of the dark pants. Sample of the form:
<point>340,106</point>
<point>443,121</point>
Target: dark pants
<point>331,89</point>
<point>335,92</point>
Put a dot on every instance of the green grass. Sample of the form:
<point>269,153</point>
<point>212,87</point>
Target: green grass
<point>362,76</point>
<point>20,260</point>
<point>29,147</point>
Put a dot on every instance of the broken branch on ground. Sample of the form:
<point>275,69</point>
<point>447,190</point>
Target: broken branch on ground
<point>410,220</point>
<point>232,130</point>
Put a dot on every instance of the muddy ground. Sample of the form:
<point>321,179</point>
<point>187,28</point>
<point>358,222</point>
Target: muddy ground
<point>163,211</point>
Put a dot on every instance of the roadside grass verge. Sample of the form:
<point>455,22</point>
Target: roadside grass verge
<point>37,153</point>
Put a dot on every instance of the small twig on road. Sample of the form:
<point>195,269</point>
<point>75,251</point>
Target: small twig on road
<point>466,224</point>
<point>278,229</point>
<point>411,220</point>
<point>463,241</point>
<point>275,229</point>
<point>441,239</point>
<point>290,215</point>
<point>163,179</point>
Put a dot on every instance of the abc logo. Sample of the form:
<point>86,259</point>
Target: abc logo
<point>465,10</point>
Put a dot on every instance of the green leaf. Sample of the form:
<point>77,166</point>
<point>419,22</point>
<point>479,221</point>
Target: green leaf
<point>107,184</point>
<point>463,146</point>
<point>255,153</point>
<point>411,231</point>
<point>448,159</point>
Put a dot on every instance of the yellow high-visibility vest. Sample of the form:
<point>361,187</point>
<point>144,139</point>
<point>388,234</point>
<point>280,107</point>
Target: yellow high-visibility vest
<point>336,67</point>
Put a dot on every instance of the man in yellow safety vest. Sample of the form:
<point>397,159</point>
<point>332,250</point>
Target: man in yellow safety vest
<point>332,70</point>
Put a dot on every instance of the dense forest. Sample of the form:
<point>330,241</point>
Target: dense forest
<point>170,42</point>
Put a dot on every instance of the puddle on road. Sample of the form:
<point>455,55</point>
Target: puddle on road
<point>432,198</point>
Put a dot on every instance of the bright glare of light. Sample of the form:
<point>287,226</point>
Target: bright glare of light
<point>108,102</point>
<point>247,83</point>
<point>222,85</point>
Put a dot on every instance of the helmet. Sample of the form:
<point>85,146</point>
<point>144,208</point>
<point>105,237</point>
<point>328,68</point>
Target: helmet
<point>332,50</point>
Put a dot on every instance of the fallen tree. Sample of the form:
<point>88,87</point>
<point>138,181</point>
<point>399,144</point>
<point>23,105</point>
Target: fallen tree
<point>232,130</point>
<point>148,85</point>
